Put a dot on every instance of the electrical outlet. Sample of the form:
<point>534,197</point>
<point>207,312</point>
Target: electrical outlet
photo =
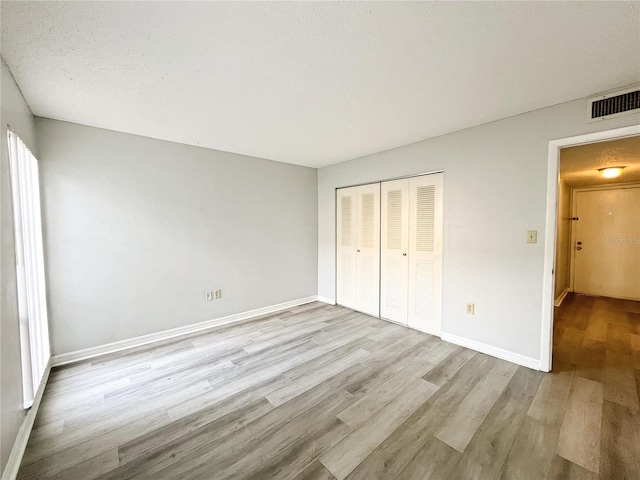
<point>218,293</point>
<point>470,308</point>
<point>208,296</point>
<point>532,236</point>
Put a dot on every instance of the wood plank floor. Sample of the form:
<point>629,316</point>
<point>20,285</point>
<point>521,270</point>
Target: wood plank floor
<point>321,392</point>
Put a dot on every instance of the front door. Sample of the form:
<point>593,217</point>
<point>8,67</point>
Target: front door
<point>606,242</point>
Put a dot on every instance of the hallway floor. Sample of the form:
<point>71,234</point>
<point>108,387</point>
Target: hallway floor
<point>596,373</point>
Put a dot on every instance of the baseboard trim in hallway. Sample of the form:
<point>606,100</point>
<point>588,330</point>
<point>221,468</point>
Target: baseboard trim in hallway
<point>491,350</point>
<point>78,355</point>
<point>561,297</point>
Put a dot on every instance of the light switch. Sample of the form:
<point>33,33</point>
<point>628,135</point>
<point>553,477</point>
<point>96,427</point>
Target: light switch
<point>532,236</point>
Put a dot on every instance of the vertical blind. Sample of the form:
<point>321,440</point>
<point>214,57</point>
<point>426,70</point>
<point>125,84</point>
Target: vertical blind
<point>32,306</point>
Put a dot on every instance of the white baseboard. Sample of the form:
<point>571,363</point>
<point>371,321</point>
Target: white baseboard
<point>491,350</point>
<point>560,298</point>
<point>20,443</point>
<point>71,357</point>
<point>330,301</point>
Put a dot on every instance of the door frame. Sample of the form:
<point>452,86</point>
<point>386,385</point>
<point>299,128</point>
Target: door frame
<point>553,180</point>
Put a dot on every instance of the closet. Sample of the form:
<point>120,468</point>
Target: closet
<point>389,253</point>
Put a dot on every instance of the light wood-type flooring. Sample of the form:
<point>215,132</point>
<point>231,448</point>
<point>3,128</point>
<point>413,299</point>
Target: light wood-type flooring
<point>321,392</point>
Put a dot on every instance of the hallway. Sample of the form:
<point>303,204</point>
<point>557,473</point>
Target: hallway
<point>596,371</point>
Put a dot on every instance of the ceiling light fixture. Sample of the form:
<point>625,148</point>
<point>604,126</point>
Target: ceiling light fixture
<point>610,172</point>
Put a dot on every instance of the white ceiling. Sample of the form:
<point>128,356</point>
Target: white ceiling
<point>312,83</point>
<point>579,165</point>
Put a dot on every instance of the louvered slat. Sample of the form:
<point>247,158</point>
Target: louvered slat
<point>346,276</point>
<point>424,290</point>
<point>394,220</point>
<point>395,293</point>
<point>367,220</point>
<point>425,218</point>
<point>368,274</point>
<point>346,212</point>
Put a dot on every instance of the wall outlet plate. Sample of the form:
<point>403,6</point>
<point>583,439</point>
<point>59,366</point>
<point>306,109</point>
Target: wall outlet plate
<point>532,236</point>
<point>208,296</point>
<point>470,308</point>
<point>217,293</point>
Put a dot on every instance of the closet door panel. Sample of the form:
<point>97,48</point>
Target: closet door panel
<point>368,249</point>
<point>425,253</point>
<point>394,239</point>
<point>346,256</point>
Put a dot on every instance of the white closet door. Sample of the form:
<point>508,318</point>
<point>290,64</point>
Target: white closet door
<point>425,253</point>
<point>394,268</point>
<point>368,249</point>
<point>346,247</point>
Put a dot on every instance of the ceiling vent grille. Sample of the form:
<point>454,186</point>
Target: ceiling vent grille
<point>614,104</point>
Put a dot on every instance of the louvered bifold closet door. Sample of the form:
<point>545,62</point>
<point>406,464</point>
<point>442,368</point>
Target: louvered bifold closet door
<point>368,249</point>
<point>425,253</point>
<point>346,280</point>
<point>394,249</point>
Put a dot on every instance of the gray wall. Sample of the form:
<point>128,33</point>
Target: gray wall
<point>563,247</point>
<point>16,113</point>
<point>137,229</point>
<point>494,191</point>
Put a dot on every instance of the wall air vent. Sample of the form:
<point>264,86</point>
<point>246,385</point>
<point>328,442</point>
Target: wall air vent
<point>614,104</point>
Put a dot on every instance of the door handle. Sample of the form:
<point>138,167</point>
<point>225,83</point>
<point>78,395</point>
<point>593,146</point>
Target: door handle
<point>579,243</point>
<point>578,248</point>
<point>404,254</point>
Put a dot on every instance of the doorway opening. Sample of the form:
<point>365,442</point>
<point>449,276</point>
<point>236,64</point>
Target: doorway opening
<point>577,187</point>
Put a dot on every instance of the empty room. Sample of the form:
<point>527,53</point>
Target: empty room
<point>320,240</point>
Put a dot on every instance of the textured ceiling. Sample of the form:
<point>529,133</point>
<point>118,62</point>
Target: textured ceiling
<point>312,83</point>
<point>579,165</point>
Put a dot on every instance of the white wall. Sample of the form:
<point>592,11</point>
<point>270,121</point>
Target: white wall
<point>563,247</point>
<point>16,113</point>
<point>137,229</point>
<point>494,191</point>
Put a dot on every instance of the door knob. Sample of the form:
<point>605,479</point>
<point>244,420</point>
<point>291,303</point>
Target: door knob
<point>404,254</point>
<point>358,251</point>
<point>579,248</point>
<point>579,243</point>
